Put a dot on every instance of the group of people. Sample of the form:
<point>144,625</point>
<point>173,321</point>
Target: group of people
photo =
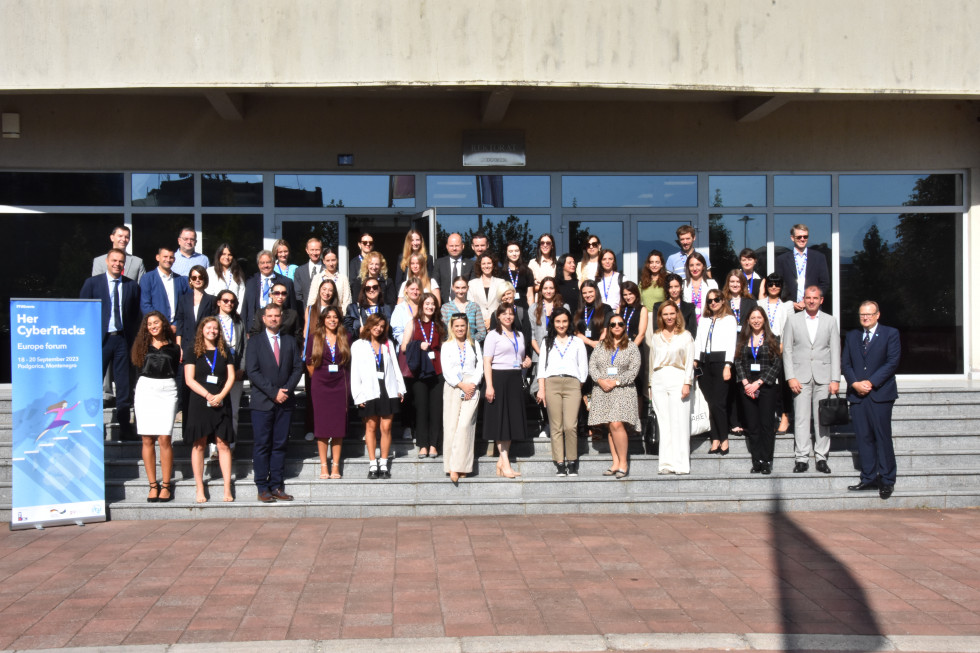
<point>598,353</point>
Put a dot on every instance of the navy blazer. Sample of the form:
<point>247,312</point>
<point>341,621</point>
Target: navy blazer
<point>185,322</point>
<point>817,273</point>
<point>878,365</point>
<point>250,303</point>
<point>153,295</point>
<point>265,376</point>
<point>97,287</point>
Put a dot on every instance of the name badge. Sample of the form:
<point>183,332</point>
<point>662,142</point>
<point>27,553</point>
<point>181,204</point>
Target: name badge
<point>517,366</point>
<point>588,333</point>
<point>211,379</point>
<point>517,295</point>
<point>432,355</point>
<point>381,375</point>
<point>755,367</point>
<point>611,371</point>
<point>333,368</point>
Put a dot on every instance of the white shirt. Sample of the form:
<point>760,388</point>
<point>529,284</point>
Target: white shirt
<point>609,290</point>
<point>777,314</point>
<point>469,370</point>
<point>799,260</point>
<point>400,317</point>
<point>811,325</point>
<point>722,337</point>
<point>168,286</point>
<point>565,358</point>
<point>273,337</point>
<point>264,289</point>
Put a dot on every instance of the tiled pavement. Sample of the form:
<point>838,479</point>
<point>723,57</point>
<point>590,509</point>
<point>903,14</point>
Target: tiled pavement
<point>889,573</point>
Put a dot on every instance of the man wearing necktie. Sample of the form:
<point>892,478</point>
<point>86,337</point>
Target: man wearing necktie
<point>869,362</point>
<point>451,266</point>
<point>258,289</point>
<point>120,297</point>
<point>801,268</point>
<point>306,273</point>
<point>274,369</point>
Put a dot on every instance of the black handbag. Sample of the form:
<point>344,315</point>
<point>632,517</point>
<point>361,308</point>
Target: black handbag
<point>833,411</point>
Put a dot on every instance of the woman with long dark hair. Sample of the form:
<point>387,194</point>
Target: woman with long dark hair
<point>426,333</point>
<point>505,360</point>
<point>518,275</point>
<point>672,365</point>
<point>563,367</point>
<point>697,284</point>
<point>609,279</point>
<point>714,354</point>
<point>613,366</point>
<point>157,359</point>
<point>329,367</point>
<point>544,264</point>
<point>758,359</point>
<point>485,286</point>
<point>567,281</point>
<point>210,375</point>
<point>653,280</point>
<point>369,302</point>
<point>225,274</point>
<point>460,303</point>
<point>233,331</point>
<point>589,265</point>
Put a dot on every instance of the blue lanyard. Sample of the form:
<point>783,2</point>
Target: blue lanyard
<point>736,311</point>
<point>749,280</point>
<point>513,277</point>
<point>517,354</point>
<point>377,359</point>
<point>562,352</point>
<point>229,331</point>
<point>427,336</point>
<point>754,348</point>
<point>627,314</point>
<point>710,331</point>
<point>213,362</point>
<point>281,271</point>
<point>588,317</point>
<point>800,270</point>
<point>333,350</point>
<point>612,361</point>
<point>462,359</point>
<point>771,314</point>
<point>605,288</point>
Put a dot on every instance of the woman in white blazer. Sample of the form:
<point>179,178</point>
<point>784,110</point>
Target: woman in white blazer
<point>714,354</point>
<point>486,287</point>
<point>377,388</point>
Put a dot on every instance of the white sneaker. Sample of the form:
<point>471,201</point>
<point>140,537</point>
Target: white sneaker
<point>543,434</point>
<point>309,436</point>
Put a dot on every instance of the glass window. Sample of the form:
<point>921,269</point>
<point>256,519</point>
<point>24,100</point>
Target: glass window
<point>81,237</point>
<point>660,235</point>
<point>629,191</point>
<point>499,229</point>
<point>801,190</point>
<point>151,231</point>
<point>819,227</point>
<point>729,234</point>
<point>219,189</point>
<point>737,190</point>
<point>609,233</point>
<point>319,191</point>
<point>61,188</point>
<point>882,258</point>
<point>243,231</point>
<point>489,191</point>
<point>297,232</point>
<point>901,190</point>
<point>163,189</point>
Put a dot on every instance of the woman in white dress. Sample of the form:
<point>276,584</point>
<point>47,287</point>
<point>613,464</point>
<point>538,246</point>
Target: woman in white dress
<point>672,372</point>
<point>462,368</point>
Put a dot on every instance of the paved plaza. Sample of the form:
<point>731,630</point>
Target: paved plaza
<point>863,580</point>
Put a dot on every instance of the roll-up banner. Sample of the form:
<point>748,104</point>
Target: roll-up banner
<point>56,391</point>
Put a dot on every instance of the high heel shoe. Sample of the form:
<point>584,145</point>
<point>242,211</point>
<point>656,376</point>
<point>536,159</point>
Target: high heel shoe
<point>169,488</point>
<point>723,452</point>
<point>156,499</point>
<point>324,474</point>
<point>335,473</point>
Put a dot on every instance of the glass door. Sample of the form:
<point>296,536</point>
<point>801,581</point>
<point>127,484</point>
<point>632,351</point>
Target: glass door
<point>297,229</point>
<point>658,233</point>
<point>577,230</point>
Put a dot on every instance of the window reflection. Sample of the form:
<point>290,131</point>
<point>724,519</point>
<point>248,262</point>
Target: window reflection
<point>730,234</point>
<point>628,191</point>
<point>489,191</point>
<point>882,258</point>
<point>219,189</point>
<point>243,231</point>
<point>523,228</point>
<point>801,190</point>
<point>901,190</point>
<point>737,190</point>
<point>61,188</point>
<point>658,235</point>
<point>151,231</point>
<point>610,234</point>
<point>163,189</point>
<point>368,191</point>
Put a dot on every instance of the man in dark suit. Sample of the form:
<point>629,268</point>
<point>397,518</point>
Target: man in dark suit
<point>274,368</point>
<point>801,268</point>
<point>304,274</point>
<point>452,266</point>
<point>258,288</point>
<point>120,297</point>
<point>162,288</point>
<point>869,362</point>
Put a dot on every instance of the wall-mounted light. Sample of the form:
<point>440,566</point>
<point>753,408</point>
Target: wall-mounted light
<point>11,125</point>
<point>345,159</point>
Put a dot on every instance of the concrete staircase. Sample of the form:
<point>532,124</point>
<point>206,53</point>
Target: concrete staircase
<point>937,443</point>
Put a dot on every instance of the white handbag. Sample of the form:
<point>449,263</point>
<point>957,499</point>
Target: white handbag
<point>700,417</point>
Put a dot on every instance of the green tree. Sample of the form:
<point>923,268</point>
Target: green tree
<point>724,258</point>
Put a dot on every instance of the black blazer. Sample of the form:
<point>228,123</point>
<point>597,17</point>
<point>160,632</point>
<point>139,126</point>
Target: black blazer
<point>250,304</point>
<point>266,376</point>
<point>185,322</point>
<point>817,273</point>
<point>291,325</point>
<point>878,365</point>
<point>97,287</point>
<point>688,312</point>
<point>388,296</point>
<point>444,272</point>
<point>302,281</point>
<point>356,316</point>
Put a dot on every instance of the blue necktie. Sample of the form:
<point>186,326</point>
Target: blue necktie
<point>866,342</point>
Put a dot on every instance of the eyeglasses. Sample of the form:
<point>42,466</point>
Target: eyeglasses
<point>773,284</point>
<point>367,242</point>
<point>714,300</point>
<point>594,243</point>
<point>803,237</point>
<point>545,242</point>
<point>370,288</point>
<point>278,293</point>
<point>226,301</point>
<point>196,277</point>
<point>867,315</point>
<point>617,324</point>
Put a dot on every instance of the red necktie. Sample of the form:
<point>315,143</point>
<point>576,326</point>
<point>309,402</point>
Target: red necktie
<point>275,348</point>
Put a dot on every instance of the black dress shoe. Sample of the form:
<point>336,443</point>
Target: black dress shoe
<point>885,491</point>
<point>718,450</point>
<point>823,467</point>
<point>801,467</point>
<point>860,487</point>
<point>756,468</point>
<point>767,468</point>
<point>266,497</point>
<point>279,495</point>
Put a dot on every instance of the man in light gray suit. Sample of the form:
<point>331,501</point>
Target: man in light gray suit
<point>134,264</point>
<point>811,360</point>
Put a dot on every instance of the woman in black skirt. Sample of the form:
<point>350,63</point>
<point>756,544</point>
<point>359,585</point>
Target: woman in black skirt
<point>377,387</point>
<point>505,360</point>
